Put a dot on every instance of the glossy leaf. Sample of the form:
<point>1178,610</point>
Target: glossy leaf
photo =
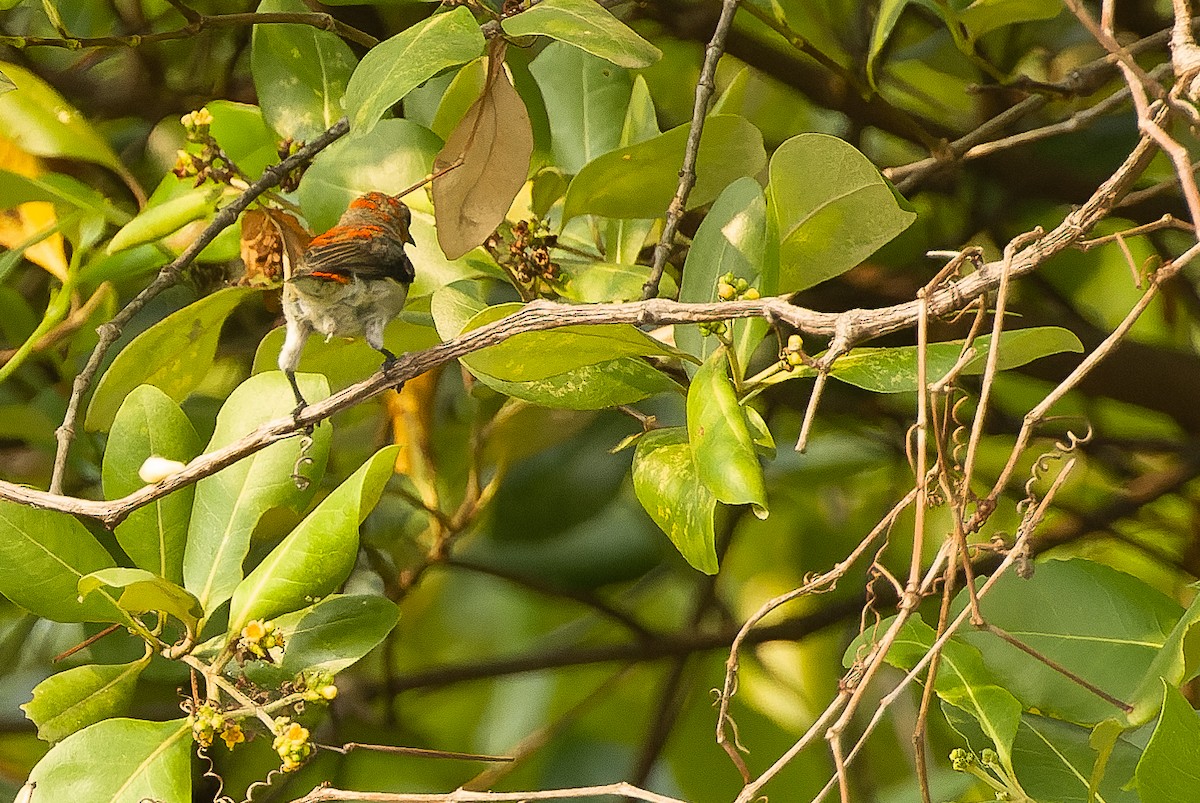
<point>492,145</point>
<point>1168,769</point>
<point>174,355</point>
<point>70,701</point>
<point>338,632</point>
<point>963,680</point>
<point>164,219</point>
<point>624,239</point>
<point>300,73</point>
<point>588,26</point>
<point>143,591</point>
<point>229,503</point>
<point>150,424</point>
<point>668,485</point>
<point>639,181</point>
<point>983,16</point>
<point>394,67</point>
<point>119,761</point>
<point>1103,625</point>
<point>894,370</point>
<point>40,121</point>
<point>317,556</point>
<point>586,98</point>
<point>1054,761</point>
<point>43,555</point>
<point>588,387</point>
<point>598,282</point>
<point>832,209</point>
<point>719,434</point>
<point>731,239</point>
<point>1176,662</point>
<point>58,189</point>
<point>538,355</point>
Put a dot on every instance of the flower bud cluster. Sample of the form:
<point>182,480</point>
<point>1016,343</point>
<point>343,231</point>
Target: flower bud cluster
<point>291,743</point>
<point>209,723</point>
<point>261,640</point>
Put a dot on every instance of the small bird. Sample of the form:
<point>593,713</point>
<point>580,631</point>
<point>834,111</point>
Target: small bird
<point>352,280</point>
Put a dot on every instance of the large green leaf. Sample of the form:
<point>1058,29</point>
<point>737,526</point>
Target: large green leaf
<point>539,355</point>
<point>668,485</point>
<point>159,220</point>
<point>731,239</point>
<point>300,73</point>
<point>894,370</point>
<point>963,680</point>
<point>229,504</point>
<point>1105,626</point>
<point>174,355</point>
<point>624,239</point>
<point>589,387</point>
<point>40,121</point>
<point>1054,761</point>
<point>719,434</point>
<point>639,181</point>
<point>983,16</point>
<point>70,701</point>
<point>317,556</point>
<point>588,26</point>
<point>43,555</point>
<point>119,761</point>
<point>1170,768</point>
<point>586,98</point>
<point>150,424</point>
<point>392,68</point>
<point>58,189</point>
<point>832,209</point>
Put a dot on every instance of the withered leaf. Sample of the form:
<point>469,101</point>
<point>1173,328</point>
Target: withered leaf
<point>492,146</point>
<point>268,237</point>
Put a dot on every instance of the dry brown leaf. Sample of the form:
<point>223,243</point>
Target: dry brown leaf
<point>493,144</point>
<point>20,224</point>
<point>268,235</point>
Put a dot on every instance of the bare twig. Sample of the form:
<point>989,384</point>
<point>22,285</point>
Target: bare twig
<point>705,87</point>
<point>321,794</point>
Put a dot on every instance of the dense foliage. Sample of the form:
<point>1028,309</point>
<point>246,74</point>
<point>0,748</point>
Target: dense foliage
<point>795,399</point>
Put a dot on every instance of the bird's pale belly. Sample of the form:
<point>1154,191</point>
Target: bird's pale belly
<point>345,309</point>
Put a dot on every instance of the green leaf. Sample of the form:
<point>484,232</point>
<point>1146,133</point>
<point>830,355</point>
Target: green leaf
<point>1054,761</point>
<point>144,591</point>
<point>599,282</point>
<point>1170,768</point>
<point>1105,626</point>
<point>70,701</point>
<point>464,90</point>
<point>668,485</point>
<point>59,189</point>
<point>229,503</point>
<point>963,680</point>
<point>174,355</point>
<point>300,73</point>
<point>832,209</point>
<point>394,67</point>
<point>119,761</point>
<point>539,355</point>
<point>43,555</point>
<point>6,84</point>
<point>244,135</point>
<point>639,181</point>
<point>983,16</point>
<point>586,98</point>
<point>624,239</point>
<point>40,121</point>
<point>894,370</point>
<point>587,26</point>
<point>1175,662</point>
<point>317,556</point>
<point>731,239</point>
<point>150,424</point>
<point>161,220</point>
<point>337,632</point>
<point>724,453</point>
<point>885,20</point>
<point>588,387</point>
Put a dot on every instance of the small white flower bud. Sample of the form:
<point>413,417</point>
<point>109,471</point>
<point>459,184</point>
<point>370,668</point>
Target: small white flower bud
<point>157,469</point>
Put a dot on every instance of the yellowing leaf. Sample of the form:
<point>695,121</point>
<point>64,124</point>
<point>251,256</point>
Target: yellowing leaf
<point>26,221</point>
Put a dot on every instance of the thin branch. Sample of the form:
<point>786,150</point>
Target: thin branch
<point>167,277</point>
<point>705,87</point>
<point>324,22</point>
<point>623,789</point>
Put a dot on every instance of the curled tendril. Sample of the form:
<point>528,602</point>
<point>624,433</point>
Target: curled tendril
<point>961,431</point>
<point>1062,447</point>
<point>210,771</point>
<point>263,784</point>
<point>306,442</point>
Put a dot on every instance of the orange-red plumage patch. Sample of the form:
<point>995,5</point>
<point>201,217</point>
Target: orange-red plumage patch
<point>331,277</point>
